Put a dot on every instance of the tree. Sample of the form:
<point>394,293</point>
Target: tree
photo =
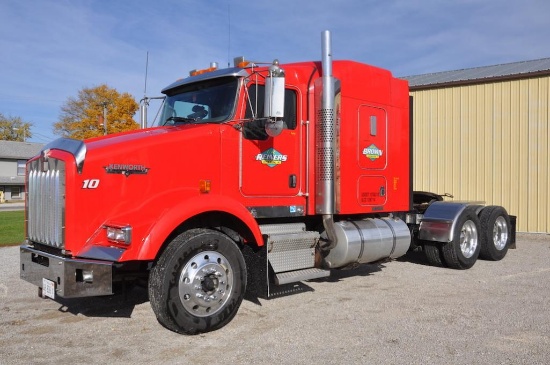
<point>14,129</point>
<point>82,117</point>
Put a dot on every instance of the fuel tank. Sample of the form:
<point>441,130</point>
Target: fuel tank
<point>368,240</point>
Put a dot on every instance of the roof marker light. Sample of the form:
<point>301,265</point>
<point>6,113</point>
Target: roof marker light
<point>213,67</point>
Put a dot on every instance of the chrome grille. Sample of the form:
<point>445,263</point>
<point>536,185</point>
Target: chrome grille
<point>46,202</point>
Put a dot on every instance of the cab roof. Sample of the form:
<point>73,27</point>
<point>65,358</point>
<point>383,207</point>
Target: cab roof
<point>224,72</point>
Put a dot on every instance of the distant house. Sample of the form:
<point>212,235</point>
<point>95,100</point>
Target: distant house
<point>13,157</point>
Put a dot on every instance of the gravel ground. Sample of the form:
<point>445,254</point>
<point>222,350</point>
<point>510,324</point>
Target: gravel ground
<point>400,312</point>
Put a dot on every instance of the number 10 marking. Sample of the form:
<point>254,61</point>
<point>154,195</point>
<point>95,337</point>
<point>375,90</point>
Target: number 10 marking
<point>90,184</point>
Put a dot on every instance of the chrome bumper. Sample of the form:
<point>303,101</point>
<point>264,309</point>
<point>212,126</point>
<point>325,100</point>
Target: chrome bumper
<point>73,278</point>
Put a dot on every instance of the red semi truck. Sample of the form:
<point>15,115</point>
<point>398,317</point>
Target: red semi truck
<point>256,177</point>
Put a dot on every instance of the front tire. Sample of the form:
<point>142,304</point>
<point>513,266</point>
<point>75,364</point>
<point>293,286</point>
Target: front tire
<point>198,283</point>
<point>462,252</point>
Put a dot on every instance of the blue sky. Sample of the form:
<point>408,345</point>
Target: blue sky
<point>51,49</point>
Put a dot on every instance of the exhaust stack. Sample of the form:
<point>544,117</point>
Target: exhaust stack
<point>324,203</point>
<point>325,132</point>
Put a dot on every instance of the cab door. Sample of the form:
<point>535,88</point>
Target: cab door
<point>271,167</point>
<point>372,155</point>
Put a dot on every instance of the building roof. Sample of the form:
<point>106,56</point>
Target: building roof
<point>19,150</point>
<point>506,71</point>
<point>12,180</point>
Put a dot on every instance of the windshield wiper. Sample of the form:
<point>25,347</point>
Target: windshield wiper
<point>180,120</point>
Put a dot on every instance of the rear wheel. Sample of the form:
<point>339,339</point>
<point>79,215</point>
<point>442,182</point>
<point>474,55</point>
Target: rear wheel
<point>495,233</point>
<point>198,283</point>
<point>462,252</point>
<point>434,254</point>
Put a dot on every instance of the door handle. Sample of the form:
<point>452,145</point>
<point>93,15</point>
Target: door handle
<point>292,181</point>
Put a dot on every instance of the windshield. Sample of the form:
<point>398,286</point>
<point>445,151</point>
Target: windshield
<point>210,101</point>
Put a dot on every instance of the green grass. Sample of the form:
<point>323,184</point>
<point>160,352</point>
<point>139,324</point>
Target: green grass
<point>12,228</point>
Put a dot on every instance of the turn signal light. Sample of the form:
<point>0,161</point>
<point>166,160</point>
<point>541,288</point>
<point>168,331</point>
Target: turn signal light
<point>204,186</point>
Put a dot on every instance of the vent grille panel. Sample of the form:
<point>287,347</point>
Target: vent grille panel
<point>46,202</point>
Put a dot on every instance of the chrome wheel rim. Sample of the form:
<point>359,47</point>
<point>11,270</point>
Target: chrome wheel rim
<point>468,239</point>
<point>205,283</point>
<point>500,233</point>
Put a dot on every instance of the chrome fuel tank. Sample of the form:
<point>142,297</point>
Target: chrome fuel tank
<point>368,240</point>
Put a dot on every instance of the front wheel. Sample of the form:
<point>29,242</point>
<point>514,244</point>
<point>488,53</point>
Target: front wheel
<point>462,252</point>
<point>198,283</point>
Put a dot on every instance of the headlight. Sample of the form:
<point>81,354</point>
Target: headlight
<point>119,234</point>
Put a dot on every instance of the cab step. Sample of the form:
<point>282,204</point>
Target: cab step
<point>300,275</point>
<point>289,246</point>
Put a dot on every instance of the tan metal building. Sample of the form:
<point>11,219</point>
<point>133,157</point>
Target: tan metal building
<point>483,134</point>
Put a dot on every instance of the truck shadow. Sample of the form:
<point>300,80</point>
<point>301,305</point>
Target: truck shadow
<point>357,270</point>
<point>120,305</point>
<point>416,257</point>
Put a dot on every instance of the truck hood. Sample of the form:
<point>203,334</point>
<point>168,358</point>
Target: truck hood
<point>142,138</point>
<point>134,146</point>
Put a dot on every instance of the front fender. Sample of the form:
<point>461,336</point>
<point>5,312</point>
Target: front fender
<point>177,214</point>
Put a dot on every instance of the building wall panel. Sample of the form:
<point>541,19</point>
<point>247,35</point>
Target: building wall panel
<point>490,142</point>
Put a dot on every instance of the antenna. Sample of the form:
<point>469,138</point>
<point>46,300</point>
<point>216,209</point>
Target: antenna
<point>146,68</point>
<point>145,101</point>
<point>229,34</point>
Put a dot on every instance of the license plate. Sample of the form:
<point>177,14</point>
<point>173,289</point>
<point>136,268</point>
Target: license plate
<point>48,288</point>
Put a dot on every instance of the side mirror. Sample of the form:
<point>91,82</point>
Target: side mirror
<point>274,100</point>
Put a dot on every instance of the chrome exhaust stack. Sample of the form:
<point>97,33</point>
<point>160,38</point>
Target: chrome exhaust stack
<point>325,91</point>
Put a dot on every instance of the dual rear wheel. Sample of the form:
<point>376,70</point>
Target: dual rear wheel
<point>486,236</point>
<point>495,223</point>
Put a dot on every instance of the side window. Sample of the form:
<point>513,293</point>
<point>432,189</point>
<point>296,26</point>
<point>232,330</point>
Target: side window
<point>256,129</point>
<point>191,110</point>
<point>15,192</point>
<point>21,167</point>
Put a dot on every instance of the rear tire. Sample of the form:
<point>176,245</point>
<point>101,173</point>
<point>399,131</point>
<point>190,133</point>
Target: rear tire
<point>462,252</point>
<point>495,233</point>
<point>434,254</point>
<point>198,283</point>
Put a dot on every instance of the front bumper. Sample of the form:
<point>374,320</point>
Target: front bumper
<point>73,278</point>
